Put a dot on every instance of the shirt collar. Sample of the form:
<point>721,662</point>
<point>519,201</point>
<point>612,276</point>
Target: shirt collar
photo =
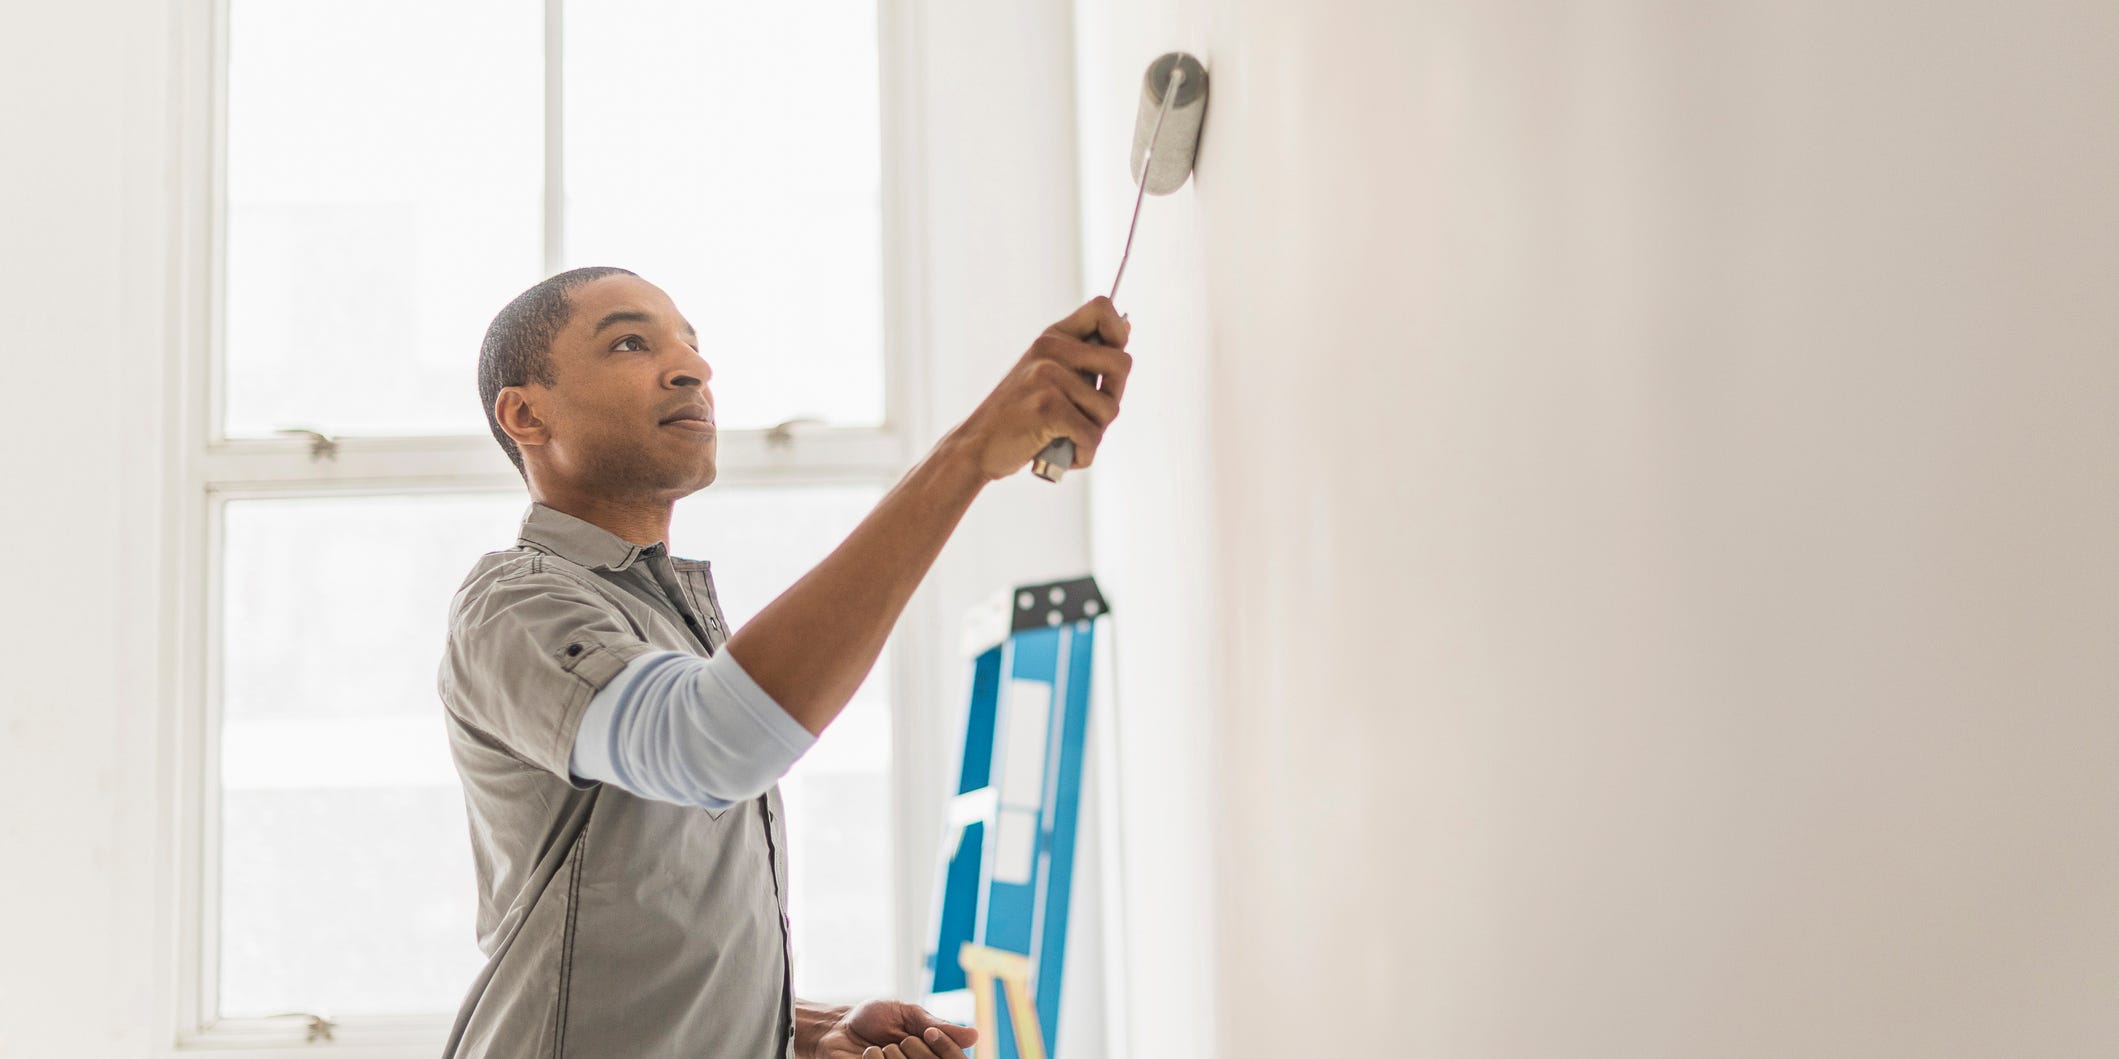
<point>579,540</point>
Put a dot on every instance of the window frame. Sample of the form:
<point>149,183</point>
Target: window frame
<point>208,470</point>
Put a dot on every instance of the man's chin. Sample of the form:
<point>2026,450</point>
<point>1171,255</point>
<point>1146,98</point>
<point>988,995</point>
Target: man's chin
<point>673,483</point>
<point>701,476</point>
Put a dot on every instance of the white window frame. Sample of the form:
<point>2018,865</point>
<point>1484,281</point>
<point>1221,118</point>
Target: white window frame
<point>209,470</point>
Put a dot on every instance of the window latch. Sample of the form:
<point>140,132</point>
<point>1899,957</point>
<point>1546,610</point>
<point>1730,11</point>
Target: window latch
<point>782,433</point>
<point>320,1026</point>
<point>321,446</point>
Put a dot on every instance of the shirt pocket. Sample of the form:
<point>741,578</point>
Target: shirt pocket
<point>592,660</point>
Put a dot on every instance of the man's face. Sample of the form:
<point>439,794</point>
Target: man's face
<point>628,412</point>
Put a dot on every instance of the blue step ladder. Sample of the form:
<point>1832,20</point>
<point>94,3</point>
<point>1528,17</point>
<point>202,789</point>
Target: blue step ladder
<point>1009,839</point>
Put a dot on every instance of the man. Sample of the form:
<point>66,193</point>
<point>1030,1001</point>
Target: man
<point>619,749</point>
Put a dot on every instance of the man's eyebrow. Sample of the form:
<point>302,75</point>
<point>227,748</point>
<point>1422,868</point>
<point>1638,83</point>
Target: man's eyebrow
<point>635,316</point>
<point>622,316</point>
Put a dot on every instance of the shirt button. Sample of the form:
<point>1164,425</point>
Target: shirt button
<point>573,649</point>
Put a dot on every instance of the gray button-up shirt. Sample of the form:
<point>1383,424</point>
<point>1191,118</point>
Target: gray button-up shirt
<point>664,932</point>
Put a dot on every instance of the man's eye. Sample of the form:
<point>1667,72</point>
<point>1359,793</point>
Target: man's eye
<point>638,345</point>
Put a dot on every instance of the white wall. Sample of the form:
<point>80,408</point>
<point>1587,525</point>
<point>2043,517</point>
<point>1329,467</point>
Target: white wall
<point>1622,495</point>
<point>79,309</point>
<point>1154,537</point>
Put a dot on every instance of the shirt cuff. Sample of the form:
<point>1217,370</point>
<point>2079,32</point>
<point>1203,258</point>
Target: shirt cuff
<point>680,728</point>
<point>590,761</point>
<point>762,707</point>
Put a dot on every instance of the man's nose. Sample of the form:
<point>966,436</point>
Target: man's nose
<point>692,371</point>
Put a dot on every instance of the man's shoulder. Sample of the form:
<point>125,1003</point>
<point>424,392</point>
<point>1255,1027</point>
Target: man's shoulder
<point>507,562</point>
<point>524,599</point>
<point>520,569</point>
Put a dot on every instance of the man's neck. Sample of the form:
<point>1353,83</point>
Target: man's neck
<point>640,522</point>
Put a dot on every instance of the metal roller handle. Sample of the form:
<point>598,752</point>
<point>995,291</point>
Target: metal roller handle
<point>1058,455</point>
<point>1055,460</point>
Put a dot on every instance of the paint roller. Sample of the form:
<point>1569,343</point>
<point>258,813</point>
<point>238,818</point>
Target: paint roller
<point>1173,100</point>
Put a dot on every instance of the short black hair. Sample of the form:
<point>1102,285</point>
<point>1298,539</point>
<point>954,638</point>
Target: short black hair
<point>517,350</point>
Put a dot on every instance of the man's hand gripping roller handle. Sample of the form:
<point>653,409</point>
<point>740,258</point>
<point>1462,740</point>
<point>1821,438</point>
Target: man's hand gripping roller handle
<point>1175,84</point>
<point>1059,455</point>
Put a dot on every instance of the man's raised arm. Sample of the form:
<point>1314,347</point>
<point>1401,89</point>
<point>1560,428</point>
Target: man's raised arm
<point>811,647</point>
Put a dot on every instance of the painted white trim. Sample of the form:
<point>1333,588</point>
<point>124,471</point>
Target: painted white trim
<point>199,77</point>
<point>554,227</point>
<point>211,125</point>
<point>747,457</point>
<point>190,139</point>
<point>372,1037</point>
<point>915,691</point>
<point>204,565</point>
<point>1105,758</point>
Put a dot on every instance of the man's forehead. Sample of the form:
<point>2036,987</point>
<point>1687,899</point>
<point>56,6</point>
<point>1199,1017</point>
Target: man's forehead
<point>615,301</point>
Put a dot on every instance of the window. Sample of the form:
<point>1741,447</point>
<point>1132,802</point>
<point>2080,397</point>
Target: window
<point>391,173</point>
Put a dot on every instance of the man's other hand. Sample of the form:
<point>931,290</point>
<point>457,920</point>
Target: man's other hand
<point>1045,396</point>
<point>890,1029</point>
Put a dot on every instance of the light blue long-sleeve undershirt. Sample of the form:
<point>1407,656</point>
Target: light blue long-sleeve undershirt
<point>680,728</point>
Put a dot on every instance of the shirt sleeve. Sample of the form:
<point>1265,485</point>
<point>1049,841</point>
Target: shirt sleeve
<point>680,728</point>
<point>528,647</point>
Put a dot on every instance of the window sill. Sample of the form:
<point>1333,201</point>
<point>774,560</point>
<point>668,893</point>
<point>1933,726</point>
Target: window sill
<point>372,1037</point>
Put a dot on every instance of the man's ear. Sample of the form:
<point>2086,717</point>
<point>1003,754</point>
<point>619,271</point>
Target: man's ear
<point>518,417</point>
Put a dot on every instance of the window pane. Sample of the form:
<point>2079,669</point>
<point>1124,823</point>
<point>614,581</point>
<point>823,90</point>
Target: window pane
<point>838,796</point>
<point>347,884</point>
<point>385,187</point>
<point>346,877</point>
<point>730,154</point>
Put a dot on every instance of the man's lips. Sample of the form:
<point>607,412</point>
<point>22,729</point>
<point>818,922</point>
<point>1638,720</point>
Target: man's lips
<point>699,418</point>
